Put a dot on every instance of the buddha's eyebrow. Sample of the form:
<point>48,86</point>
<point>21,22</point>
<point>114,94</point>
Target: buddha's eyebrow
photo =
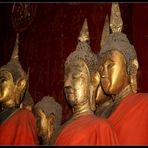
<point>110,60</point>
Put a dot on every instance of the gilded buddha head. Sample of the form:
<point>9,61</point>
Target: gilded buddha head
<point>80,78</point>
<point>118,62</point>
<point>48,115</point>
<point>13,80</point>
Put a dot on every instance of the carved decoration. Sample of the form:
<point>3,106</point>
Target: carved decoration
<point>22,15</point>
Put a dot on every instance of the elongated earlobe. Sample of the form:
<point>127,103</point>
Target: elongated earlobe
<point>95,81</point>
<point>133,75</point>
<point>50,121</point>
<point>20,88</point>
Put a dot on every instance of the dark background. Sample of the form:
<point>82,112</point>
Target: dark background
<point>53,33</point>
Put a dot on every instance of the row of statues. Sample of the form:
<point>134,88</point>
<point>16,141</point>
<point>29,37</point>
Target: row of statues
<point>100,88</point>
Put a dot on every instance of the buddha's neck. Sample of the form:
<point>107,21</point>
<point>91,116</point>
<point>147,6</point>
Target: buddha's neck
<point>82,109</point>
<point>124,92</point>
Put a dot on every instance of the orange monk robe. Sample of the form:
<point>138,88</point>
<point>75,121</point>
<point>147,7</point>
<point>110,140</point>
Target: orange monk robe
<point>87,130</point>
<point>19,129</point>
<point>130,120</point>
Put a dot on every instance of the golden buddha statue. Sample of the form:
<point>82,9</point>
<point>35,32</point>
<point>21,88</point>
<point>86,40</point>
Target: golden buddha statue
<point>118,65</point>
<point>12,74</point>
<point>80,71</point>
<point>118,49</point>
<point>13,120</point>
<point>81,80</point>
<point>48,115</point>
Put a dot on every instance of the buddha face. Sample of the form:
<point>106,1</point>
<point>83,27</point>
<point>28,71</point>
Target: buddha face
<point>7,88</point>
<point>76,82</point>
<point>45,125</point>
<point>41,121</point>
<point>113,72</point>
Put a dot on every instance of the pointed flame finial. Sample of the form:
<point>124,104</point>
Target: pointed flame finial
<point>16,48</point>
<point>105,32</point>
<point>116,22</point>
<point>84,34</point>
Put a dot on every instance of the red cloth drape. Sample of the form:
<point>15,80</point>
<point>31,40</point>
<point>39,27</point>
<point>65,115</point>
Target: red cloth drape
<point>19,129</point>
<point>87,130</point>
<point>130,120</point>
